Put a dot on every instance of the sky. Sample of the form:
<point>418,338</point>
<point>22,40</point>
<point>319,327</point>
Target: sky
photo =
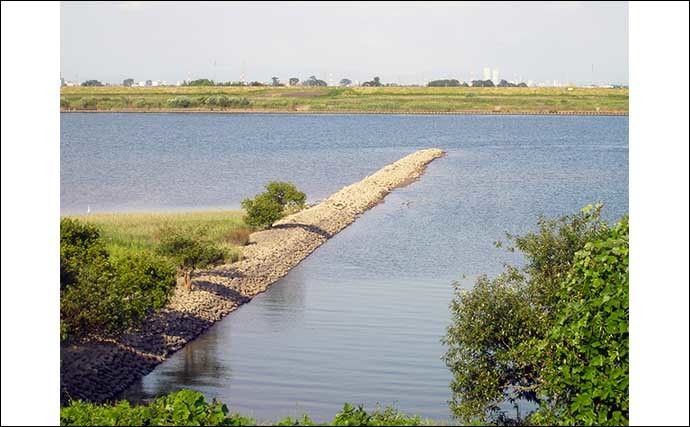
<point>406,43</point>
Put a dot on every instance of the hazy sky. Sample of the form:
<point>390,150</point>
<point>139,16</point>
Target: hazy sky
<point>410,42</point>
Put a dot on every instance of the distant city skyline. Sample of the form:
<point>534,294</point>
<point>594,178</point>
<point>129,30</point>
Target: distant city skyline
<point>410,43</point>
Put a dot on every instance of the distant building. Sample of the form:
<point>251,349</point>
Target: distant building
<point>487,73</point>
<point>494,76</point>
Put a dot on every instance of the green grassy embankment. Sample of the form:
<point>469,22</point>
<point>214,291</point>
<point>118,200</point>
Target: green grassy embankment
<point>125,232</point>
<point>343,99</point>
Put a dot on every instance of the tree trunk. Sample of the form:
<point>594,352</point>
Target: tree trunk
<point>188,280</point>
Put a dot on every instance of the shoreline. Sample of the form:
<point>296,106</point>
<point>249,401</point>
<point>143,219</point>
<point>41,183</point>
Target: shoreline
<point>344,112</point>
<point>100,369</point>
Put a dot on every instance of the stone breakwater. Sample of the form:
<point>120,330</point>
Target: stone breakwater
<point>100,369</point>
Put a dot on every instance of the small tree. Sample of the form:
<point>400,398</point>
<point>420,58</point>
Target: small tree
<point>127,82</point>
<point>92,83</point>
<point>293,81</point>
<point>262,211</point>
<point>275,81</point>
<point>345,82</point>
<point>271,205</point>
<point>189,253</point>
<point>286,194</point>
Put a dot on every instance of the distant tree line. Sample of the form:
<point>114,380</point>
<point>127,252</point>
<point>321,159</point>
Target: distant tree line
<point>314,81</point>
<point>474,83</point>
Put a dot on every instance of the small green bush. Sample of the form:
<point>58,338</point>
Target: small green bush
<point>88,103</point>
<point>262,211</point>
<point>80,245</point>
<point>189,251</point>
<point>184,408</point>
<point>180,102</point>
<point>64,102</point>
<point>351,416</point>
<point>286,194</point>
<point>141,103</point>
<point>278,199</point>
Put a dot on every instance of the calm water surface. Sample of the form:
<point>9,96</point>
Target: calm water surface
<point>360,320</point>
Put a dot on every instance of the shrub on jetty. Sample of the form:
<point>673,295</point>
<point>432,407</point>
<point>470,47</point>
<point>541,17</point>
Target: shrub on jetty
<point>187,407</point>
<point>554,333</point>
<point>279,199</point>
<point>190,251</point>
<point>104,294</point>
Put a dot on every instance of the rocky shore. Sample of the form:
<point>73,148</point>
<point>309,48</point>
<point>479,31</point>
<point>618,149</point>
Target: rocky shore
<point>100,369</point>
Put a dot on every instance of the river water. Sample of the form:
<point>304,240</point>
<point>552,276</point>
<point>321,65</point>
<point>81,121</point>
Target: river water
<point>360,320</point>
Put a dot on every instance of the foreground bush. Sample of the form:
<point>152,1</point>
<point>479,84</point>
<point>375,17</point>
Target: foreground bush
<point>553,333</point>
<point>279,199</point>
<point>102,294</point>
<point>189,408</point>
<point>585,353</point>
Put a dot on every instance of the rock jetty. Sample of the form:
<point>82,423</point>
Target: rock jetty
<point>101,368</point>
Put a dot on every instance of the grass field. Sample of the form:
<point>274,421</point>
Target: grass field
<point>341,99</point>
<point>126,232</point>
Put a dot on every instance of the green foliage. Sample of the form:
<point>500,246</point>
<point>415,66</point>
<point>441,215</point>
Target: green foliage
<point>88,103</point>
<point>180,101</point>
<point>80,245</point>
<point>313,81</point>
<point>144,281</point>
<point>112,295</point>
<point>444,83</point>
<point>271,205</point>
<point>102,294</point>
<point>184,408</point>
<point>141,103</point>
<point>351,416</point>
<point>304,421</point>
<point>190,250</point>
<point>92,83</point>
<point>485,351</point>
<point>64,102</point>
<point>188,408</point>
<point>225,101</point>
<point>586,351</point>
<point>200,82</point>
<point>262,211</point>
<point>502,341</point>
<point>286,194</point>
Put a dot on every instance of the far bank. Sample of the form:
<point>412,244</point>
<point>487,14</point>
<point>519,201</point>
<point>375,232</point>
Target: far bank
<point>347,100</point>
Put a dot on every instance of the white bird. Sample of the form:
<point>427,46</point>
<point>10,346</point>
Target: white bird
<point>88,209</point>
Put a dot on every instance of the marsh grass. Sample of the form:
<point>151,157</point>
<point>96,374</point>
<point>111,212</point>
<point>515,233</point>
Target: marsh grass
<point>133,232</point>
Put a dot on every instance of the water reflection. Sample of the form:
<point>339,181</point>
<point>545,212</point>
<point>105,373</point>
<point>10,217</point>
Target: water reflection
<point>199,367</point>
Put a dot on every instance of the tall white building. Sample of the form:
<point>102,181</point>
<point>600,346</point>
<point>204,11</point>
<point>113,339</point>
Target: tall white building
<point>494,76</point>
<point>487,73</point>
